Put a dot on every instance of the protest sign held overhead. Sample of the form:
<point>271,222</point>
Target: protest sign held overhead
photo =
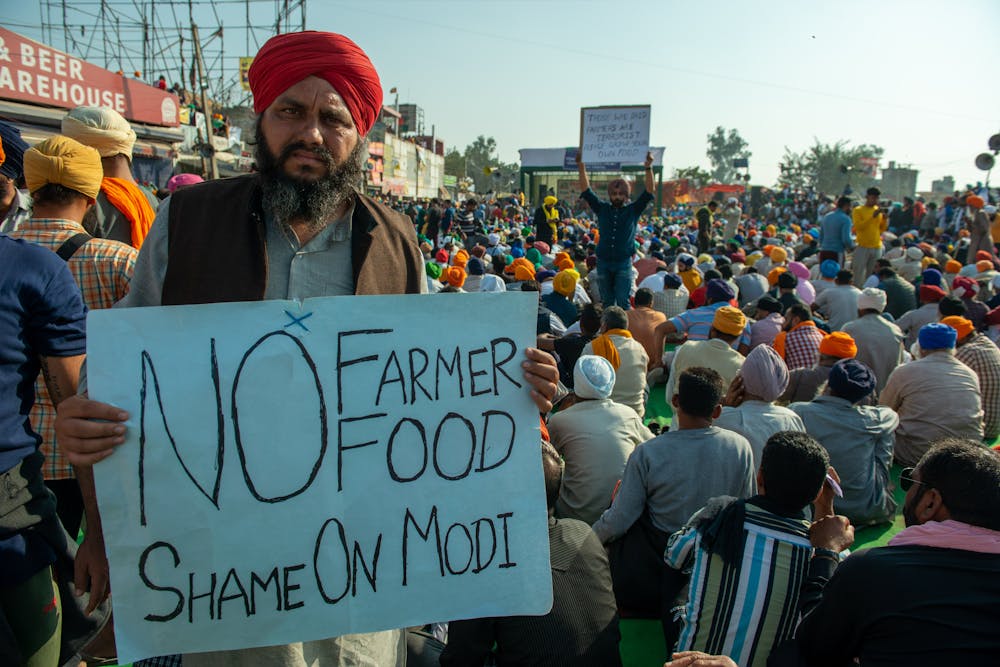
<point>300,470</point>
<point>614,134</point>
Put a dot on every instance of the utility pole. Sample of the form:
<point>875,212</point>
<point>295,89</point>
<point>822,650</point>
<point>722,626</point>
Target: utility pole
<point>213,167</point>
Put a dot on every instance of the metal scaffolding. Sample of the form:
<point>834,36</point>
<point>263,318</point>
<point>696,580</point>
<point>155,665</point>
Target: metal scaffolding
<point>153,37</point>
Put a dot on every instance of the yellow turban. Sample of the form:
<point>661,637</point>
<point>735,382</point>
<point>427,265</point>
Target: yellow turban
<point>564,283</point>
<point>779,255</point>
<point>772,277</point>
<point>100,128</point>
<point>550,201</point>
<point>65,162</point>
<point>729,320</point>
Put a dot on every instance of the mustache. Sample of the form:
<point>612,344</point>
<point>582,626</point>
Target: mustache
<point>318,151</point>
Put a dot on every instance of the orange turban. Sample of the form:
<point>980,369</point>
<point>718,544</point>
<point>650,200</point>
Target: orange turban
<point>455,275</point>
<point>960,324</point>
<point>984,265</point>
<point>522,272</point>
<point>3,157</point>
<point>729,321</point>
<point>952,266</point>
<point>284,60</point>
<point>838,344</point>
<point>460,258</point>
<point>772,277</point>
<point>975,201</point>
<point>768,249</point>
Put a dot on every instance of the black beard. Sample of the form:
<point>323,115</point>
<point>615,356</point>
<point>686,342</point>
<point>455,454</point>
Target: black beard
<point>315,202</point>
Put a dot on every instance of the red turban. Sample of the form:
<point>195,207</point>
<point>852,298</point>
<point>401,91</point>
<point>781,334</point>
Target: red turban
<point>284,60</point>
<point>931,293</point>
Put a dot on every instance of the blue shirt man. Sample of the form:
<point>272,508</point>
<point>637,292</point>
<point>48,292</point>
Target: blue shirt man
<point>617,223</point>
<point>835,230</point>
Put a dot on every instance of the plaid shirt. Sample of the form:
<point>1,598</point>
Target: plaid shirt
<point>671,302</point>
<point>802,346</point>
<point>982,355</point>
<point>102,269</point>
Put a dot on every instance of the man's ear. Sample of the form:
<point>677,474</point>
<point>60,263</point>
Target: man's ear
<point>717,411</point>
<point>674,402</point>
<point>931,507</point>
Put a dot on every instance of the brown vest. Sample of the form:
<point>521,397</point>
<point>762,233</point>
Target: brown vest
<point>217,245</point>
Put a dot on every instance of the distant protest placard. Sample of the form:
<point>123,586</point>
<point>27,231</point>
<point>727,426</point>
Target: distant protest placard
<point>614,134</point>
<point>296,470</point>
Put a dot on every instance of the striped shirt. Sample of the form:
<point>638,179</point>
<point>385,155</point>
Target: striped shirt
<point>982,355</point>
<point>697,323</point>
<point>102,270</point>
<point>746,609</point>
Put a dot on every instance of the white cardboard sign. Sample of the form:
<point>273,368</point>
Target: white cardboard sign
<point>300,470</point>
<point>615,134</point>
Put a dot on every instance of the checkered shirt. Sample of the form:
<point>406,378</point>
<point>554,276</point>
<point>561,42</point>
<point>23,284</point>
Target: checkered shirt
<point>671,302</point>
<point>102,269</point>
<point>802,346</point>
<point>983,357</point>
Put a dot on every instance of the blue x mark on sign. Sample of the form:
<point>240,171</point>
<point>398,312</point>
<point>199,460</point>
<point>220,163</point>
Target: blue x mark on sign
<point>297,320</point>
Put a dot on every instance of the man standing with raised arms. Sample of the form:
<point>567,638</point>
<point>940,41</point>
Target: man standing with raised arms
<point>297,229</point>
<point>617,222</point>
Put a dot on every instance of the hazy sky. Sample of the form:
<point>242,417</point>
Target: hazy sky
<point>909,75</point>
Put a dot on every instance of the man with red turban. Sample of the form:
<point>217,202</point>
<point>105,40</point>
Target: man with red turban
<point>317,95</point>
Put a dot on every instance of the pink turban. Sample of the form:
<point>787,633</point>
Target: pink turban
<point>764,373</point>
<point>284,60</point>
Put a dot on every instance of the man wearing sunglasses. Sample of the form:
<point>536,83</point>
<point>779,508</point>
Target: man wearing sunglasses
<point>932,596</point>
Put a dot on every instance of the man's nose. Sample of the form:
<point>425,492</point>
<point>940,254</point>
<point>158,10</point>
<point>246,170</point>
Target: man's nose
<point>309,131</point>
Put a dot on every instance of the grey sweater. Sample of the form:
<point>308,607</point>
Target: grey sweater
<point>674,475</point>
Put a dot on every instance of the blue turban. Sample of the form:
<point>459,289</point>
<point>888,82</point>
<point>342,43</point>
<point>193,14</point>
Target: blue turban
<point>829,268</point>
<point>719,290</point>
<point>13,147</point>
<point>545,274</point>
<point>516,252</point>
<point>672,281</point>
<point>852,380</point>
<point>937,336</point>
<point>931,277</point>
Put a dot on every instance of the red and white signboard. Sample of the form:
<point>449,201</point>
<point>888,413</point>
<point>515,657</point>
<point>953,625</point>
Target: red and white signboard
<point>35,73</point>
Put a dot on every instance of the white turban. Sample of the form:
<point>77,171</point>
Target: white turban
<point>872,298</point>
<point>491,283</point>
<point>764,373</point>
<point>593,377</point>
<point>100,128</point>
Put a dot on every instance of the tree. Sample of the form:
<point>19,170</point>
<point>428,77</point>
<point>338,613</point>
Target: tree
<point>481,154</point>
<point>723,148</point>
<point>829,168</point>
<point>698,176</point>
<point>454,162</point>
